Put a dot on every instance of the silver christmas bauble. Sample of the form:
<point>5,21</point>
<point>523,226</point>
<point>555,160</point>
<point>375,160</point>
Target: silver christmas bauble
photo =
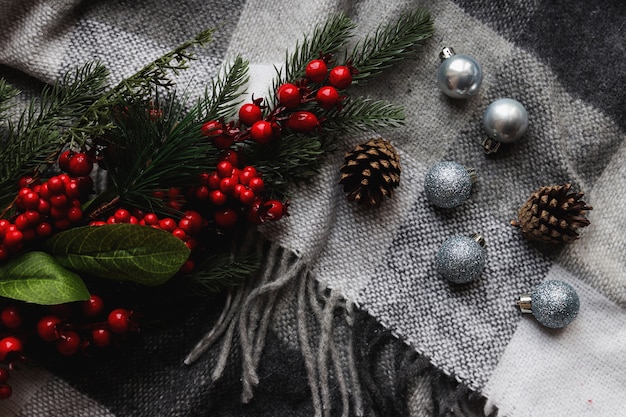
<point>448,184</point>
<point>505,120</point>
<point>461,259</point>
<point>459,76</point>
<point>554,303</point>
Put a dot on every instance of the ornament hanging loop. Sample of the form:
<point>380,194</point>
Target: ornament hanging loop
<point>490,146</point>
<point>446,52</point>
<point>525,303</point>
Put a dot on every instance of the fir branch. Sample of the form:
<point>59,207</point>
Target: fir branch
<point>325,39</point>
<point>218,272</point>
<point>224,96</point>
<point>96,120</point>
<point>390,43</point>
<point>36,138</point>
<point>363,114</point>
<point>7,93</point>
<point>292,159</point>
<point>149,153</point>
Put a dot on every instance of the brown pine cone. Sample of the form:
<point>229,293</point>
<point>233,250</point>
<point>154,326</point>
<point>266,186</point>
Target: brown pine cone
<point>553,214</point>
<point>370,172</point>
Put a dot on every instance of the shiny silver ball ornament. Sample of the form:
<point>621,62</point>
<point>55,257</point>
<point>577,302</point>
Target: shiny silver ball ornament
<point>461,259</point>
<point>448,184</point>
<point>505,121</point>
<point>554,304</point>
<point>459,76</point>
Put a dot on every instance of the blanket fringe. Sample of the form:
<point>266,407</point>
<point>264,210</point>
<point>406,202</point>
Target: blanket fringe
<point>248,313</point>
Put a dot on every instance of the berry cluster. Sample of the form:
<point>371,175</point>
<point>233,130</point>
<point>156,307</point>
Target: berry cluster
<point>48,207</point>
<point>299,102</point>
<point>70,328</point>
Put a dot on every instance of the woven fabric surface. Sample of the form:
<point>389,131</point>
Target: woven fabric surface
<point>362,324</point>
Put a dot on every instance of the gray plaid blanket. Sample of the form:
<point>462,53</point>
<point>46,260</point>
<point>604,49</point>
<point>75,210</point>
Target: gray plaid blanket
<point>348,316</point>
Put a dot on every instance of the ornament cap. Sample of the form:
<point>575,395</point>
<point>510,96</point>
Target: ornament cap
<point>525,303</point>
<point>446,53</point>
<point>479,239</point>
<point>473,175</point>
<point>490,146</point>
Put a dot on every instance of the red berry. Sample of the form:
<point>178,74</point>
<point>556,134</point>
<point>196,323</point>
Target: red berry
<point>12,238</point>
<point>21,222</point>
<point>101,337</point>
<point>230,156</point>
<point>202,192</point>
<point>44,206</point>
<point>68,342</point>
<point>196,220</point>
<point>250,113</point>
<point>33,217</point>
<point>214,181</point>
<point>179,233</point>
<point>187,225</point>
<point>5,391</point>
<point>151,219</point>
<point>302,121</point>
<point>227,185</point>
<point>4,254</point>
<point>187,267</point>
<point>74,214</point>
<point>168,224</point>
<point>47,328</point>
<point>80,165</point>
<point>43,229</point>
<point>223,141</point>
<point>122,216</point>
<point>64,160</point>
<point>93,306</point>
<point>85,184</point>
<point>224,169</point>
<point>275,209</point>
<point>340,77</point>
<point>257,185</point>
<point>316,70</point>
<point>9,346</point>
<point>4,375</point>
<point>247,196</point>
<point>59,201</point>
<point>226,218</point>
<point>289,95</point>
<point>218,198</point>
<point>246,174</point>
<point>27,181</point>
<point>29,199</point>
<point>253,215</point>
<point>262,132</point>
<point>327,97</point>
<point>72,189</point>
<point>119,321</point>
<point>10,317</point>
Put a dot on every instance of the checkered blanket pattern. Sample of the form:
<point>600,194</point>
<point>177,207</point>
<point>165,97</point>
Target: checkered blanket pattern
<point>562,60</point>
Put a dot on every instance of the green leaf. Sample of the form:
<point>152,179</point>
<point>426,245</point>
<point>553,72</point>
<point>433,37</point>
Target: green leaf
<point>121,252</point>
<point>35,277</point>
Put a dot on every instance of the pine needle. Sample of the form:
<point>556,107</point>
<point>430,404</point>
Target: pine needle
<point>390,43</point>
<point>224,95</point>
<point>218,272</point>
<point>363,114</point>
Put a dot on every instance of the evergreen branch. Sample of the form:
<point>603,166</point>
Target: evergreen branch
<point>224,95</point>
<point>326,39</point>
<point>151,153</point>
<point>292,159</point>
<point>390,43</point>
<point>36,139</point>
<point>7,93</point>
<point>96,120</point>
<point>363,114</point>
<point>218,272</point>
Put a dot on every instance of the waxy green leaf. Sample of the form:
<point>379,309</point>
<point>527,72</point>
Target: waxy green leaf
<point>35,277</point>
<point>121,252</point>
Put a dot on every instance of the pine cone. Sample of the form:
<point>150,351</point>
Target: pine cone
<point>553,214</point>
<point>370,172</point>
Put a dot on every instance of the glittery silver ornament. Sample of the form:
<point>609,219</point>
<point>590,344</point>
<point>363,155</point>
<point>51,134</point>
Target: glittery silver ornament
<point>554,303</point>
<point>448,184</point>
<point>461,259</point>
<point>505,121</point>
<point>459,76</point>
